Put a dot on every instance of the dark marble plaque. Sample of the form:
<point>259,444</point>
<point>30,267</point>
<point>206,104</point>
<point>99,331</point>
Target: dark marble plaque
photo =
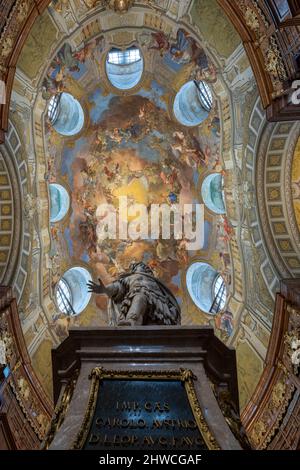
<point>143,414</point>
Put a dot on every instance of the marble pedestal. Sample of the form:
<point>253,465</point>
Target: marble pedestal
<point>147,349</point>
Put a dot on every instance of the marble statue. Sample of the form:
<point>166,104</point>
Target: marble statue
<point>138,298</point>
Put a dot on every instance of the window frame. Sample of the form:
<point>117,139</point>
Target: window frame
<point>63,308</point>
<point>219,291</point>
<point>54,104</point>
<point>123,56</point>
<point>205,94</point>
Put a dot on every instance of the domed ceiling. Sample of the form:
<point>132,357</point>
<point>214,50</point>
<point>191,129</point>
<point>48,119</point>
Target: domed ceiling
<point>132,146</point>
<point>185,130</point>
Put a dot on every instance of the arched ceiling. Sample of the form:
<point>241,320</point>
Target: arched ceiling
<point>131,144</point>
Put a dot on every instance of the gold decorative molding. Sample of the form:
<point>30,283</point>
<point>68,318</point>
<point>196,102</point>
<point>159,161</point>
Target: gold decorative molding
<point>183,375</point>
<point>265,427</point>
<point>292,339</point>
<point>11,31</point>
<point>24,409</point>
<point>120,6</point>
<point>60,411</point>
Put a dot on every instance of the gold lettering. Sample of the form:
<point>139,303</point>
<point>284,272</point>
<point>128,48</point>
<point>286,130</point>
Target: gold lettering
<point>121,424</point>
<point>163,441</point>
<point>94,439</point>
<point>126,406</point>
<point>116,423</point>
<point>141,424</point>
<point>148,441</point>
<point>187,441</point>
<point>126,440</point>
<point>117,440</point>
<point>168,423</point>
<point>148,406</point>
<point>192,424</point>
<point>157,424</point>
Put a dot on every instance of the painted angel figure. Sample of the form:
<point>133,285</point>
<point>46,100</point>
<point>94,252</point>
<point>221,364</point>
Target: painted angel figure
<point>160,42</point>
<point>138,298</point>
<point>186,50</point>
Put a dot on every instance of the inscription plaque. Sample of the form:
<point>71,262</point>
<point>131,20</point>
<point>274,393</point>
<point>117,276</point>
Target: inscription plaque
<point>143,411</point>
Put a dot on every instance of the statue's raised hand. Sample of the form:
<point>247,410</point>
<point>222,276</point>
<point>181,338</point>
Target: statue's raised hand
<point>96,288</point>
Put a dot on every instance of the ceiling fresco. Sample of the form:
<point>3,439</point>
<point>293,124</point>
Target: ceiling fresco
<point>132,146</point>
<point>128,142</point>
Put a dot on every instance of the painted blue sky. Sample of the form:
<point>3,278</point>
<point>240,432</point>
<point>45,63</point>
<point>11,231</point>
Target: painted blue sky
<point>101,104</point>
<point>69,154</point>
<point>155,94</point>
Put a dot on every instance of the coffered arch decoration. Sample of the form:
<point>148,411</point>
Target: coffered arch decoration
<point>263,281</point>
<point>269,234</point>
<point>15,238</point>
<point>275,196</point>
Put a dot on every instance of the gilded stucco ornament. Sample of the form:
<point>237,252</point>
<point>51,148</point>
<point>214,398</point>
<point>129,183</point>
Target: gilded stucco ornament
<point>11,30</point>
<point>292,340</point>
<point>60,5</point>
<point>278,394</point>
<point>274,65</point>
<point>264,429</point>
<point>119,6</point>
<point>257,22</point>
<point>251,18</point>
<point>258,434</point>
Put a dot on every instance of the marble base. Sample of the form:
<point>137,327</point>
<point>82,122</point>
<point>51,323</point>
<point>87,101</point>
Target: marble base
<point>148,349</point>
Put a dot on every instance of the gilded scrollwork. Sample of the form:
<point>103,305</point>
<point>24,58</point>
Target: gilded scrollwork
<point>24,397</point>
<point>10,32</point>
<point>292,339</point>
<point>268,423</point>
<point>119,6</point>
<point>257,22</point>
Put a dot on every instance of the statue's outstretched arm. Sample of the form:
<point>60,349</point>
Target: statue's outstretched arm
<point>110,290</point>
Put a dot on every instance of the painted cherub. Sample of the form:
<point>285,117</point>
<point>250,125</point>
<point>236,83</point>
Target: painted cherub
<point>208,74</point>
